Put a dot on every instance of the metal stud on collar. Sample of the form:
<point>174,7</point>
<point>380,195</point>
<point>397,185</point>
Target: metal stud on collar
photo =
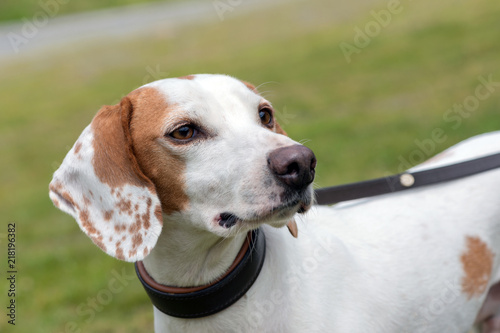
<point>407,180</point>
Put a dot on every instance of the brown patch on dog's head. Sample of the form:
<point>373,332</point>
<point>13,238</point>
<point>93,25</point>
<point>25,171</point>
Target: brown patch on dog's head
<point>251,87</point>
<point>477,263</point>
<point>278,129</point>
<point>112,148</point>
<point>163,168</point>
<point>78,146</point>
<point>187,77</point>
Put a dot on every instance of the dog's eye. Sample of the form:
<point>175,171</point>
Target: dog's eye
<point>266,116</point>
<point>184,132</point>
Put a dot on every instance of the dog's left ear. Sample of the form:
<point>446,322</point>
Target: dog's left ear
<point>101,185</point>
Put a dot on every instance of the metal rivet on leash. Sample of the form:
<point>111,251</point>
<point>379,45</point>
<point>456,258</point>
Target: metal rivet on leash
<point>407,180</point>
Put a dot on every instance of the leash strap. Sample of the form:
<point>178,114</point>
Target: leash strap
<point>215,297</point>
<point>405,181</point>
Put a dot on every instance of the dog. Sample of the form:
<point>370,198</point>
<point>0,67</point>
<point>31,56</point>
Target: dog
<point>180,171</point>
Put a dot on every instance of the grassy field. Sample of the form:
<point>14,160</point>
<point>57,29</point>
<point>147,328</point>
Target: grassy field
<point>365,118</point>
<point>19,9</point>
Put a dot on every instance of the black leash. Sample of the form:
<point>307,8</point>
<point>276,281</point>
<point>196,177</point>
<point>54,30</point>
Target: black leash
<point>405,181</point>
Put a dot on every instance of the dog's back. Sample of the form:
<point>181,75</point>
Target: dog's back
<point>420,260</point>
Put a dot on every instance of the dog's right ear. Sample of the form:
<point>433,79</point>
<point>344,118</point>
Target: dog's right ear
<point>101,185</point>
<point>278,129</point>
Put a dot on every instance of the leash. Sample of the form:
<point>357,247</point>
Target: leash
<point>405,181</point>
<point>206,300</point>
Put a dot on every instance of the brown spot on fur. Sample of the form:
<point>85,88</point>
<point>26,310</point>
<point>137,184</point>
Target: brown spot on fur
<point>57,188</point>
<point>477,263</point>
<point>120,227</point>
<point>146,251</point>
<point>66,196</point>
<point>98,241</point>
<point>86,201</point>
<point>137,225</point>
<point>125,206</point>
<point>108,215</point>
<point>56,203</point>
<point>145,220</point>
<point>250,86</point>
<point>78,146</point>
<point>136,241</point>
<point>164,169</point>
<point>119,252</point>
<point>132,253</point>
<point>187,77</point>
<point>86,223</point>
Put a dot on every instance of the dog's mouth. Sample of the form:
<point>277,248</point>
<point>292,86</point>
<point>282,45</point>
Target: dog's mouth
<point>282,212</point>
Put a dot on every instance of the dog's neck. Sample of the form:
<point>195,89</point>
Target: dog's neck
<point>185,256</point>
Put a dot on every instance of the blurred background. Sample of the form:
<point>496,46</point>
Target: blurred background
<point>373,87</point>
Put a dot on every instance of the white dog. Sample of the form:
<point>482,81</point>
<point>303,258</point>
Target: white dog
<point>180,171</point>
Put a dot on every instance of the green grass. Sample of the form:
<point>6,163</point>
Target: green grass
<point>360,118</point>
<point>27,9</point>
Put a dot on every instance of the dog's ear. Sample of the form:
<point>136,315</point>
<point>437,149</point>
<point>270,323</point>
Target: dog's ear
<point>251,87</point>
<point>101,185</point>
<point>278,129</point>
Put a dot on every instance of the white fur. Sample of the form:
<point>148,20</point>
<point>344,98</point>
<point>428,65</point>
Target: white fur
<point>391,263</point>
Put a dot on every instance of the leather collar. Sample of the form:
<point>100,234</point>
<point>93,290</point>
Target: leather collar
<point>196,302</point>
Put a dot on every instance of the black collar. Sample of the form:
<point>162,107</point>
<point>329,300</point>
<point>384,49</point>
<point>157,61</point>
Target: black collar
<point>206,300</point>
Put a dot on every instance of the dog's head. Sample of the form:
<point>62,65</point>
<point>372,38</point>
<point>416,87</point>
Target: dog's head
<point>203,149</point>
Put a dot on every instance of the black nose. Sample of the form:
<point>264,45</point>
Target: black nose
<point>293,165</point>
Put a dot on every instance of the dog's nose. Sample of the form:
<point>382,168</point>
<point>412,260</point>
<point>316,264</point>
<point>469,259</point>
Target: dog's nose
<point>293,165</point>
